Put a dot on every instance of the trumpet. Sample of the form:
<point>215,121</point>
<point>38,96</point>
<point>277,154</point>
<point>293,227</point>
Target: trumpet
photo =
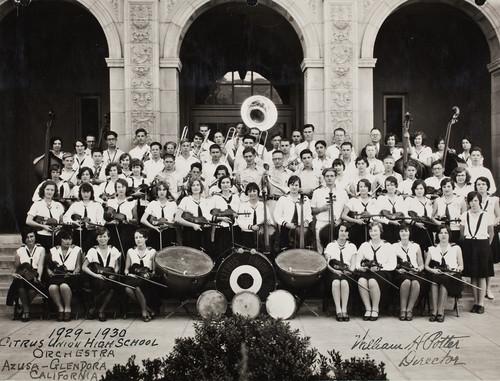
<point>183,136</point>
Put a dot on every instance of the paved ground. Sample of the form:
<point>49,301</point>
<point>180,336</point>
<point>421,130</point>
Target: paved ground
<point>461,348</point>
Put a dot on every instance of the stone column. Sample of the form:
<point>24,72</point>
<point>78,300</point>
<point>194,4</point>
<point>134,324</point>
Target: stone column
<point>141,52</point>
<point>169,99</point>
<point>494,69</point>
<point>313,93</point>
<point>117,95</point>
<point>365,102</point>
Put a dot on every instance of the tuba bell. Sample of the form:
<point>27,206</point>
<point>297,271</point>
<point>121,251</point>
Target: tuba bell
<point>259,111</point>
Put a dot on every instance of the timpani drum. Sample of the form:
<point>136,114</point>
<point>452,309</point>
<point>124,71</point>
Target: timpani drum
<point>186,269</point>
<point>281,304</point>
<point>300,269</point>
<point>211,303</point>
<point>246,303</point>
<point>245,271</point>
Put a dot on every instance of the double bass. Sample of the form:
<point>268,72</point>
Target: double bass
<point>450,159</point>
<point>43,163</point>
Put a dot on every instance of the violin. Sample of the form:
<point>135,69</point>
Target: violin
<point>83,220</point>
<point>27,271</point>
<point>97,268</point>
<point>46,221</point>
<point>393,216</point>
<point>111,214</point>
<point>370,263</point>
<point>228,213</point>
<point>162,222</point>
<point>141,271</point>
<point>422,219</point>
<point>202,221</point>
<point>432,192</point>
<point>339,265</point>
<point>139,192</point>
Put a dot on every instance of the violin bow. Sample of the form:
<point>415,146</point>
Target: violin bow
<point>147,280</point>
<point>34,287</point>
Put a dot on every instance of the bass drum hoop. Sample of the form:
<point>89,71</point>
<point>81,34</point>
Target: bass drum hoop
<point>250,265</point>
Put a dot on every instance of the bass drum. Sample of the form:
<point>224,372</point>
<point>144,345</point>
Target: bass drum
<point>245,271</point>
<point>247,304</point>
<point>300,269</point>
<point>211,303</point>
<point>281,304</point>
<point>185,269</point>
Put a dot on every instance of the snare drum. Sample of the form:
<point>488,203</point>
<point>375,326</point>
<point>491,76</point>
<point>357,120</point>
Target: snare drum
<point>246,303</point>
<point>186,269</point>
<point>300,269</point>
<point>246,271</point>
<point>211,303</point>
<point>280,304</point>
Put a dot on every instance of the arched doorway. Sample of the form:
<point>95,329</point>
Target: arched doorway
<point>246,51</point>
<point>46,63</point>
<point>431,57</point>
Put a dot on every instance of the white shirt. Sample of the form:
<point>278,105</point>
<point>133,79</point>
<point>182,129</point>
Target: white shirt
<point>25,256</point>
<point>472,228</point>
<point>109,259</point>
<point>320,197</point>
<point>69,261</point>
<point>285,209</point>
<point>152,168</point>
<point>386,257</point>
<point>476,172</point>
<point>94,211</point>
<point>140,152</point>
<point>332,251</point>
<point>146,258</point>
<point>408,254</point>
<point>40,208</point>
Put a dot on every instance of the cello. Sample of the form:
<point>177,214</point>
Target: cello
<point>327,232</point>
<point>301,237</point>
<point>450,159</point>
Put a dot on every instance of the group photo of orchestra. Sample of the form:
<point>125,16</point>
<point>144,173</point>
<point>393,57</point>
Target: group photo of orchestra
<point>383,226</point>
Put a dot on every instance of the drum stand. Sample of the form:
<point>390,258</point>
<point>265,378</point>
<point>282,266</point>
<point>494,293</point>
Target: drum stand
<point>183,304</point>
<point>303,302</point>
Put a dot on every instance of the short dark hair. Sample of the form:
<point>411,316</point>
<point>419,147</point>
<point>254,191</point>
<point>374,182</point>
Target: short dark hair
<point>45,184</point>
<point>322,142</point>
<point>86,187</point>
<point>251,186</point>
<point>308,125</point>
<point>292,179</point>
<point>305,152</point>
<point>472,195</point>
<point>25,231</point>
<point>82,171</point>
<point>416,183</point>
<point>481,178</point>
<point>111,165</point>
<point>108,133</point>
<point>156,144</point>
<point>141,130</point>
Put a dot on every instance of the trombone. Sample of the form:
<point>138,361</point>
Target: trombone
<point>199,150</point>
<point>231,132</point>
<point>183,136</point>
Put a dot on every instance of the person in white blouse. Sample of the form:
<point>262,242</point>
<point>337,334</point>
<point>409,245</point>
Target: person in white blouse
<point>288,212</point>
<point>375,261</point>
<point>30,255</point>
<point>140,258</point>
<point>341,259</point>
<point>463,186</point>
<point>159,216</point>
<point>107,257</point>
<point>440,258</point>
<point>418,150</point>
<point>63,269</point>
<point>490,204</point>
<point>409,258</point>
<point>476,232</point>
<point>392,203</point>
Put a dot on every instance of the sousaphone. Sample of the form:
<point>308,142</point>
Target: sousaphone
<point>259,111</point>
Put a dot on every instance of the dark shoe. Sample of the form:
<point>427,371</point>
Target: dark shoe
<point>402,316</point>
<point>480,309</point>
<point>440,318</point>
<point>409,315</point>
<point>374,316</point>
<point>60,316</point>
<point>67,316</point>
<point>366,317</point>
<point>26,317</point>
<point>346,317</point>
<point>432,318</point>
<point>91,313</point>
<point>146,318</point>
<point>102,316</point>
<point>474,308</point>
<point>340,317</point>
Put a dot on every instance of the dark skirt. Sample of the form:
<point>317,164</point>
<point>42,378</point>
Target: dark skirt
<point>424,237</point>
<point>391,233</point>
<point>495,245</point>
<point>168,238</point>
<point>73,281</point>
<point>382,284</point>
<point>358,234</point>
<point>399,278</point>
<point>454,287</point>
<point>478,261</point>
<point>19,283</point>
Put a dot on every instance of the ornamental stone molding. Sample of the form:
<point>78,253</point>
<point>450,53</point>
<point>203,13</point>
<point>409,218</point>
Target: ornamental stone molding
<point>340,67</point>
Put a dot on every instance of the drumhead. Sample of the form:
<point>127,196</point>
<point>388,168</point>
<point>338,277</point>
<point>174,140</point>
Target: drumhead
<point>185,261</point>
<point>211,303</point>
<point>246,303</point>
<point>245,272</point>
<point>301,262</point>
<point>281,304</point>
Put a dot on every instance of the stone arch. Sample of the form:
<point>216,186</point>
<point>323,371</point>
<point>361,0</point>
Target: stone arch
<point>298,14</point>
<point>486,18</point>
<point>99,11</point>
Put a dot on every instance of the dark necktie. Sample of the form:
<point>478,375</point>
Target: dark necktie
<point>393,206</point>
<point>443,261</point>
<point>163,211</point>
<point>341,256</point>
<point>119,205</point>
<point>85,214</point>
<point>200,212</point>
<point>447,212</point>
<point>255,216</point>
<point>50,211</point>
<point>375,253</point>
<point>295,217</point>
<point>365,206</point>
<point>425,209</point>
